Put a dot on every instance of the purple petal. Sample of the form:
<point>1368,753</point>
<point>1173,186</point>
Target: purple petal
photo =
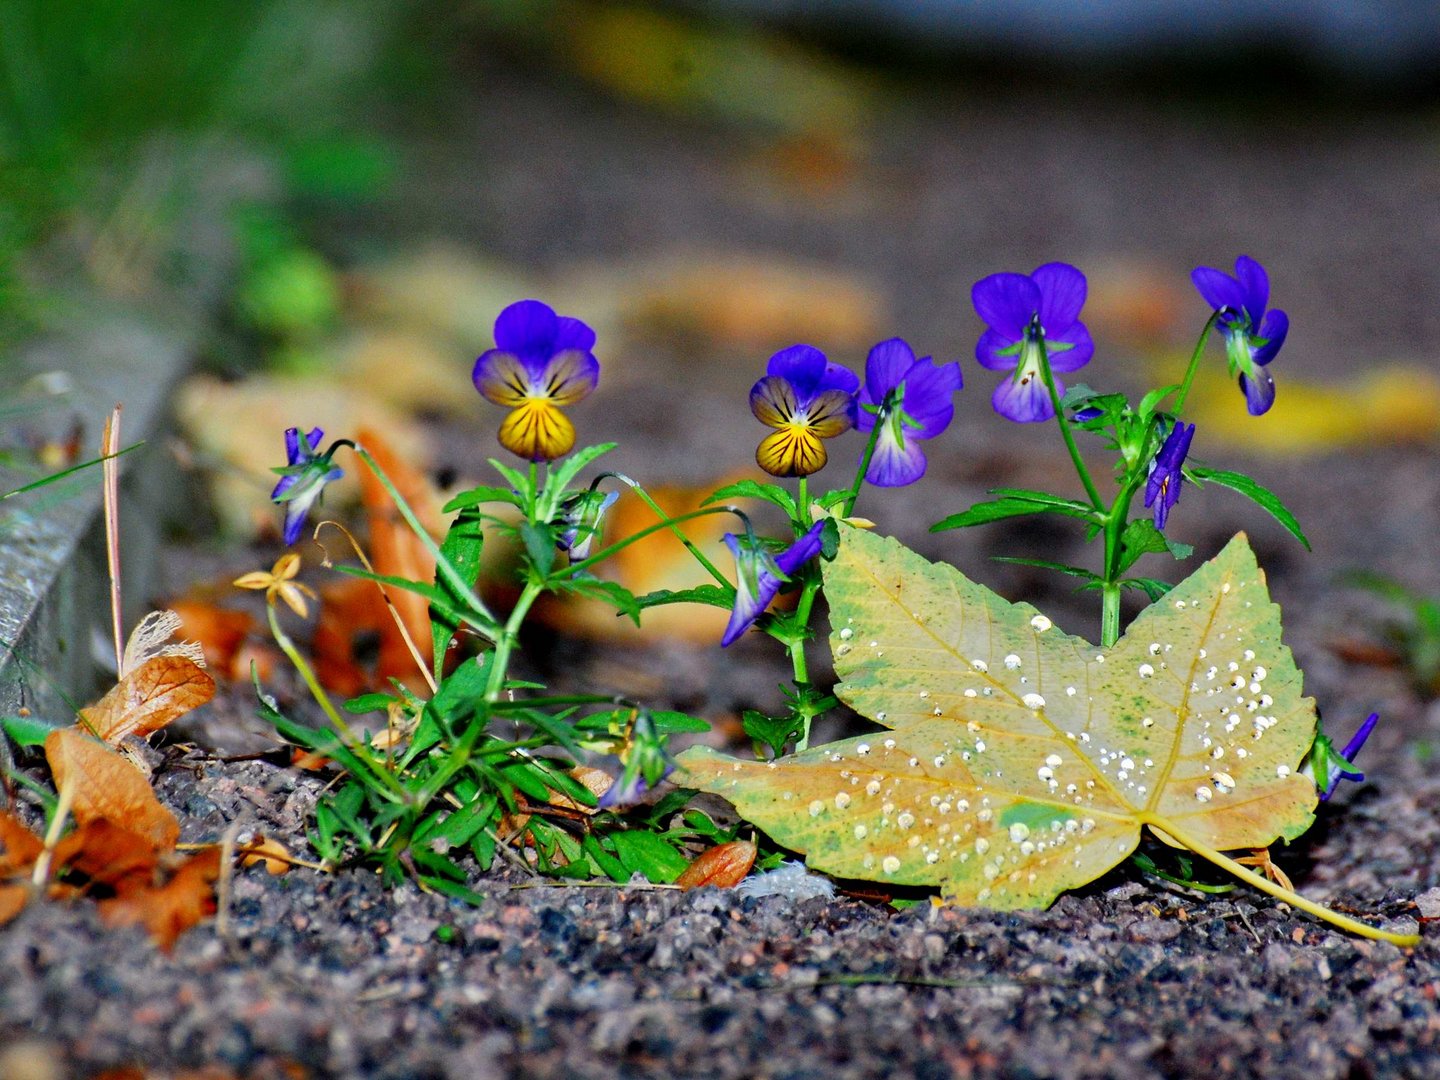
<point>1069,359</point>
<point>569,375</point>
<point>798,553</point>
<point>988,350</point>
<point>527,328</point>
<point>885,369</point>
<point>929,388</point>
<point>1256,284</point>
<point>896,462</point>
<point>803,366</point>
<point>1259,392</point>
<point>572,334</point>
<point>1025,403</point>
<point>1277,326</point>
<point>1062,295</point>
<point>1006,302</point>
<point>838,377</point>
<point>1357,741</point>
<point>1218,288</point>
<point>292,445</point>
<point>285,484</point>
<point>506,378</point>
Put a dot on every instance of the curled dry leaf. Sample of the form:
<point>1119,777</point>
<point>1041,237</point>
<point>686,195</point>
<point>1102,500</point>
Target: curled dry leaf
<point>271,853</point>
<point>156,693</point>
<point>723,866</point>
<point>107,786</point>
<point>19,847</point>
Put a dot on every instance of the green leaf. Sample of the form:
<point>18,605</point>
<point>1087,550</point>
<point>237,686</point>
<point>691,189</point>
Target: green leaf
<point>1022,761</point>
<point>983,513</point>
<point>1151,587</point>
<point>1153,398</point>
<point>455,891</point>
<point>1262,496</point>
<point>564,472</point>
<point>609,865</point>
<point>26,730</point>
<point>518,481</point>
<point>1046,564</point>
<point>440,598</point>
<point>713,595</point>
<point>478,496</point>
<point>752,489</point>
<point>610,592</point>
<point>669,722</point>
<point>642,852</point>
<point>462,546</point>
<point>368,703</point>
<point>771,731</point>
<point>1141,537</point>
<point>539,541</point>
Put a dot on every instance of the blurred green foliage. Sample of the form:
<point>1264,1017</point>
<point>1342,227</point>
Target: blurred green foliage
<point>111,110</point>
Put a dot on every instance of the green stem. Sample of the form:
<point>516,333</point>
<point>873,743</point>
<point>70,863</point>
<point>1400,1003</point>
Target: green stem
<point>673,525</point>
<point>881,417</point>
<point>1264,884</point>
<point>534,492</point>
<point>465,591</point>
<point>1110,590</point>
<point>507,639</point>
<point>307,674</point>
<point>1195,363</point>
<point>802,506</point>
<point>667,523</point>
<point>1048,376</point>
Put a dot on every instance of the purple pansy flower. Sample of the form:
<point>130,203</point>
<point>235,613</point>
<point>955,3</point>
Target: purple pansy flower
<point>645,762</point>
<point>806,399</point>
<point>1162,489</point>
<point>1252,336</point>
<point>1023,313</point>
<point>924,410</point>
<point>1339,766</point>
<point>758,576</point>
<point>303,479</point>
<point>541,363</point>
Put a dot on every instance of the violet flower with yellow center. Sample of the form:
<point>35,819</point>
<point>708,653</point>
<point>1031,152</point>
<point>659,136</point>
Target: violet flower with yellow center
<point>806,399</point>
<point>1025,314</point>
<point>541,364</point>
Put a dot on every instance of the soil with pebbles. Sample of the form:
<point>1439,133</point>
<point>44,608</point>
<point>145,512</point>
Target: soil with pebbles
<point>337,976</point>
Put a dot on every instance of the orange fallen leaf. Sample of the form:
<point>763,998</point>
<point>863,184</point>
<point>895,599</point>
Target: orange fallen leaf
<point>13,899</point>
<point>172,908</point>
<point>109,855</point>
<point>107,786</point>
<point>723,866</point>
<point>350,610</point>
<point>396,550</point>
<point>19,847</point>
<point>157,692</point>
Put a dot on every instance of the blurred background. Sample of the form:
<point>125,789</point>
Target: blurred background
<point>345,194</point>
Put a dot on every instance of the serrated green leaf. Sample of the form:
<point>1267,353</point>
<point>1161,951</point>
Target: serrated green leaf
<point>564,472</point>
<point>539,541</point>
<point>771,731</point>
<point>983,513</point>
<point>1141,537</point>
<point>642,852</point>
<point>1257,493</point>
<point>610,592</point>
<point>1023,761</point>
<point>713,595</point>
<point>463,546</point>
<point>478,496</point>
<point>752,489</point>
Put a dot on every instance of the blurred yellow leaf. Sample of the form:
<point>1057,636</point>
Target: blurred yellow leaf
<point>108,786</point>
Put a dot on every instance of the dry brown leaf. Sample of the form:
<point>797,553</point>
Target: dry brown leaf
<point>270,852</point>
<point>110,855</point>
<point>723,866</point>
<point>171,909</point>
<point>13,899</point>
<point>220,631</point>
<point>156,693</point>
<point>108,786</point>
<point>19,847</point>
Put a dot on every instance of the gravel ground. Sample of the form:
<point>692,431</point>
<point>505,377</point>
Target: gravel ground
<point>321,976</point>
